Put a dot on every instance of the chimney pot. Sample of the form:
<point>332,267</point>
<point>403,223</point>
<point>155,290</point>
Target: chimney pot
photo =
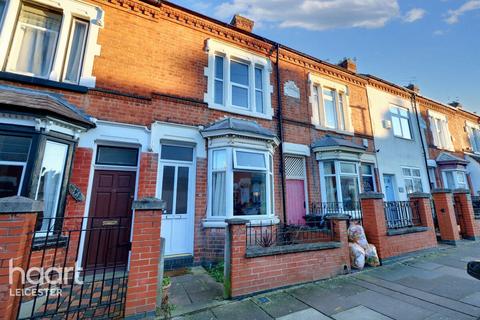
<point>243,23</point>
<point>413,87</point>
<point>349,64</point>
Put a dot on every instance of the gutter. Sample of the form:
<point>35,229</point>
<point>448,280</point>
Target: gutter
<point>425,156</point>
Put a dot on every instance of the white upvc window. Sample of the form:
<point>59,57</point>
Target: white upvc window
<point>413,179</point>
<point>473,131</point>
<point>240,184</point>
<point>368,178</point>
<point>439,130</point>
<point>400,122</point>
<point>330,105</point>
<point>454,179</point>
<point>238,81</point>
<point>14,154</point>
<point>3,5</point>
<point>340,182</point>
<point>50,40</point>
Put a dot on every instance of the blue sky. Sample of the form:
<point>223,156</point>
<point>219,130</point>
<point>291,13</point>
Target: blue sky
<point>432,43</point>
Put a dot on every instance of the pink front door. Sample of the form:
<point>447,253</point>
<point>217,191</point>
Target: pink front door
<point>296,206</point>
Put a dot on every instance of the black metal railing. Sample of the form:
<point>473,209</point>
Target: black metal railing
<point>402,214</point>
<point>288,234</point>
<point>349,208</point>
<point>476,206</point>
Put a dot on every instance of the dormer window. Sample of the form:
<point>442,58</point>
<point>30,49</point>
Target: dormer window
<point>238,81</point>
<point>55,42</point>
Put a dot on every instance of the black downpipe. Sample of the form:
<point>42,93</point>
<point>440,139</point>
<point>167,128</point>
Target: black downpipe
<point>280,133</point>
<point>413,101</point>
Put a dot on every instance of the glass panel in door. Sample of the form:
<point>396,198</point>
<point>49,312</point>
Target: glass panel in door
<point>168,183</point>
<point>181,205</point>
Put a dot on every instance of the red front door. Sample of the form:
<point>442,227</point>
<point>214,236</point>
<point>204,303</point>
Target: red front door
<point>296,206</point>
<point>107,240</point>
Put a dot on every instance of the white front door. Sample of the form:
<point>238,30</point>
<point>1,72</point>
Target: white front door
<point>177,189</point>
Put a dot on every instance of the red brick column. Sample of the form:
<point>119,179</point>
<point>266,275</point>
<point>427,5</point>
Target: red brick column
<point>144,278</point>
<point>447,222</point>
<point>17,222</point>
<point>374,220</point>
<point>422,200</point>
<point>464,199</point>
<point>339,227</point>
<point>235,249</point>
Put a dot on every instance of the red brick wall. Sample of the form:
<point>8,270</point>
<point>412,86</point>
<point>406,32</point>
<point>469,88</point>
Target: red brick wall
<point>250,275</point>
<point>147,181</point>
<point>467,219</point>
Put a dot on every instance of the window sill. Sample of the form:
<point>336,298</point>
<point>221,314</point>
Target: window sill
<point>345,132</point>
<point>403,138</point>
<point>220,223</point>
<point>398,232</point>
<point>9,76</point>
<point>235,110</point>
<point>305,247</point>
<point>40,243</point>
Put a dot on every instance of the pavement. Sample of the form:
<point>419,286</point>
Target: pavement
<point>433,285</point>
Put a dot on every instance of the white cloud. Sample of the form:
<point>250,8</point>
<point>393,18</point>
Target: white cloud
<point>438,33</point>
<point>453,16</point>
<point>314,14</point>
<point>414,15</point>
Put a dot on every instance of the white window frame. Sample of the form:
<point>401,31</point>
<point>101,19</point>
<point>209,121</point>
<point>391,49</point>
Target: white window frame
<point>412,177</point>
<point>229,172</point>
<point>343,117</point>
<point>72,9</point>
<point>70,42</point>
<point>231,53</point>
<point>2,15</point>
<point>371,165</point>
<point>400,117</point>
<point>456,174</point>
<point>439,129</point>
<point>338,174</point>
<point>473,131</point>
<point>17,164</point>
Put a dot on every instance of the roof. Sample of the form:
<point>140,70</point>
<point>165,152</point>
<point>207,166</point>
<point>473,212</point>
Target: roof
<point>43,102</point>
<point>239,126</point>
<point>329,141</point>
<point>447,158</point>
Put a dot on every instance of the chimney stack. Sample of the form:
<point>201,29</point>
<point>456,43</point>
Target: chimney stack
<point>349,64</point>
<point>413,87</point>
<point>456,104</point>
<point>242,23</point>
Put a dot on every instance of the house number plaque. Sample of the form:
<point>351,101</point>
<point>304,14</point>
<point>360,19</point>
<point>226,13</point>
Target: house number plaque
<point>76,193</point>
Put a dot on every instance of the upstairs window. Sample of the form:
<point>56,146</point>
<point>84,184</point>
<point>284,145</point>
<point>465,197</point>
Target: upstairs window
<point>474,137</point>
<point>400,122</point>
<point>238,81</point>
<point>330,105</point>
<point>35,42</point>
<point>56,44</point>
<point>439,130</point>
<point>3,4</point>
<point>412,179</point>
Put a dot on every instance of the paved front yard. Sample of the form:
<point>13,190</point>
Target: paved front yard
<point>433,286</point>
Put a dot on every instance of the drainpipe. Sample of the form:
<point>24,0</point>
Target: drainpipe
<point>413,100</point>
<point>280,133</point>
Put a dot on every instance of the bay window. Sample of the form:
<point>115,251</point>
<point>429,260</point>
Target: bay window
<point>241,183</point>
<point>412,179</point>
<point>341,182</point>
<point>368,178</point>
<point>14,154</point>
<point>454,179</point>
<point>238,81</point>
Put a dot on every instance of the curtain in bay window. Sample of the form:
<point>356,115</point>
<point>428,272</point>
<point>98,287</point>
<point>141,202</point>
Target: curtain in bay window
<point>218,194</point>
<point>36,34</point>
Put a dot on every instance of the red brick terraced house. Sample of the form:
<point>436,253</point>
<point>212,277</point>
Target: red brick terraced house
<point>119,100</point>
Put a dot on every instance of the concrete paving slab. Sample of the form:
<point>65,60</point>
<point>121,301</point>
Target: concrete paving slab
<point>425,265</point>
<point>473,299</point>
<point>307,314</point>
<point>204,315</point>
<point>360,313</point>
<point>240,311</point>
<point>455,288</point>
<point>279,304</point>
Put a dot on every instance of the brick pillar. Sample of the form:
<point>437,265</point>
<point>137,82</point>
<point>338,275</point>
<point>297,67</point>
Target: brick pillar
<point>447,222</point>
<point>464,199</point>
<point>143,278</point>
<point>374,221</point>
<point>235,249</point>
<point>339,227</point>
<point>422,200</point>
<point>17,222</point>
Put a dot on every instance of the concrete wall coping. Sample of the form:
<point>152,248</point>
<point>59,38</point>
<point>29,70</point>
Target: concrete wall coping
<point>146,204</point>
<point>434,191</point>
<point>19,204</point>
<point>338,217</point>
<point>461,191</point>
<point>371,195</point>
<point>422,195</point>
<point>236,221</point>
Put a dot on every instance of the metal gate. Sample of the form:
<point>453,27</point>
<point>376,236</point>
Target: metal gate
<point>77,269</point>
